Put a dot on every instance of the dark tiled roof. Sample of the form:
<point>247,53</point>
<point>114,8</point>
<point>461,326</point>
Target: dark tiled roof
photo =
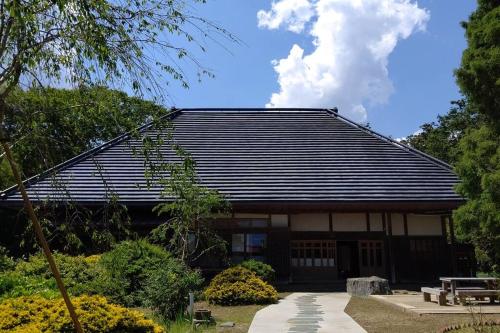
<point>264,155</point>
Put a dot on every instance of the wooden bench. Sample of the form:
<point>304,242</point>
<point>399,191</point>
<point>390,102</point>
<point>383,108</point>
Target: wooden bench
<point>440,293</point>
<point>462,294</point>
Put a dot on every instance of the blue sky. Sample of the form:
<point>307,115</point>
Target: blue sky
<point>420,66</point>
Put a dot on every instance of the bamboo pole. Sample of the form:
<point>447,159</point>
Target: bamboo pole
<point>39,233</point>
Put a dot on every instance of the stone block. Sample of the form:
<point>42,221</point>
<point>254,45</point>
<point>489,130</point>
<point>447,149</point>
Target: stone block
<point>366,286</point>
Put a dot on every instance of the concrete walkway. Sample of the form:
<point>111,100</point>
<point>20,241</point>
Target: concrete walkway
<point>306,313</point>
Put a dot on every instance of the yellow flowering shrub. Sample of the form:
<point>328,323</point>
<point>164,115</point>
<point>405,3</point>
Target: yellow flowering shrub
<point>36,314</point>
<point>237,286</point>
<point>92,259</point>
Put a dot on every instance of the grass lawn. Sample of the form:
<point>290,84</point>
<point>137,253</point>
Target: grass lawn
<point>241,315</point>
<point>378,317</point>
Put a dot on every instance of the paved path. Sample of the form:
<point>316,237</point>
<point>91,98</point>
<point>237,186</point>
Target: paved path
<point>306,313</point>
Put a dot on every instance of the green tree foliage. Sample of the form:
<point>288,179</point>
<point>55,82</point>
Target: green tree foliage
<point>126,42</point>
<point>441,139</point>
<point>190,208</point>
<point>479,163</point>
<point>49,126</point>
<point>479,72</point>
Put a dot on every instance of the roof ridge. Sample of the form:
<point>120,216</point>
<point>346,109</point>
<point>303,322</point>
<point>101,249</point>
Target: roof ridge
<point>86,154</point>
<point>414,151</point>
<point>295,109</point>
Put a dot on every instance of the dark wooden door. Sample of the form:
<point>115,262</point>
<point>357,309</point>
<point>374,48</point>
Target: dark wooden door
<point>348,265</point>
<point>371,258</point>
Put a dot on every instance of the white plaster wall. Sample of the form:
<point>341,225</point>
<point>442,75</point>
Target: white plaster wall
<point>398,224</point>
<point>349,222</point>
<point>376,222</point>
<point>310,222</point>
<point>424,225</point>
<point>279,221</point>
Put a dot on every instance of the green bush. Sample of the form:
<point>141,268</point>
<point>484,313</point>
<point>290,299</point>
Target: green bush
<point>13,284</point>
<point>128,267</point>
<point>262,270</point>
<point>142,274</point>
<point>80,274</point>
<point>37,314</point>
<point>134,273</point>
<point>167,288</point>
<point>237,286</point>
<point>6,262</point>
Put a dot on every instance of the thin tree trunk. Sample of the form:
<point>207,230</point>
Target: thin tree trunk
<point>38,229</point>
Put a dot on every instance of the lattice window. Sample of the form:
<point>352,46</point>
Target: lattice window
<point>308,253</point>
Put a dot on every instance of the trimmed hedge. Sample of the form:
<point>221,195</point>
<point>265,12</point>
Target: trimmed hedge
<point>238,286</point>
<point>96,315</point>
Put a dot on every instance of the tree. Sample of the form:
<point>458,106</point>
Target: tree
<point>190,208</point>
<point>478,167</point>
<point>441,139</point>
<point>73,120</point>
<point>88,42</point>
<point>479,70</point>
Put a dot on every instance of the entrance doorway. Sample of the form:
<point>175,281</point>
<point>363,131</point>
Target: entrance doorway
<point>348,259</point>
<point>372,258</point>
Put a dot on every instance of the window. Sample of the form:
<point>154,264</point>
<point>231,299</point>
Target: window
<point>313,253</point>
<point>248,246</point>
<point>371,253</point>
<point>238,243</point>
<point>256,243</point>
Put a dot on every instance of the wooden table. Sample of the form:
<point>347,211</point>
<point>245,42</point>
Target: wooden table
<point>451,283</point>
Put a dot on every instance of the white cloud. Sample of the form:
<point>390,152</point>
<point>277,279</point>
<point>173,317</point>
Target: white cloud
<point>292,13</point>
<point>403,138</point>
<point>352,42</point>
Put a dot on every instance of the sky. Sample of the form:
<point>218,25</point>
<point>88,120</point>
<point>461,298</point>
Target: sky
<point>388,63</point>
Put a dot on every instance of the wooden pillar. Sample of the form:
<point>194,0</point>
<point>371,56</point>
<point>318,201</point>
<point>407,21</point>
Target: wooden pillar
<point>391,250</point>
<point>330,222</point>
<point>452,246</point>
<point>386,247</point>
<point>405,221</point>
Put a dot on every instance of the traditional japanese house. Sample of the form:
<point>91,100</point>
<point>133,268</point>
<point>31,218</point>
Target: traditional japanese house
<point>314,194</point>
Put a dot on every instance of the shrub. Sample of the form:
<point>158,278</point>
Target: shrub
<point>237,286</point>
<point>128,268</point>
<point>13,284</point>
<point>80,274</point>
<point>262,270</point>
<point>6,262</point>
<point>167,288</point>
<point>37,314</point>
<point>142,274</point>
